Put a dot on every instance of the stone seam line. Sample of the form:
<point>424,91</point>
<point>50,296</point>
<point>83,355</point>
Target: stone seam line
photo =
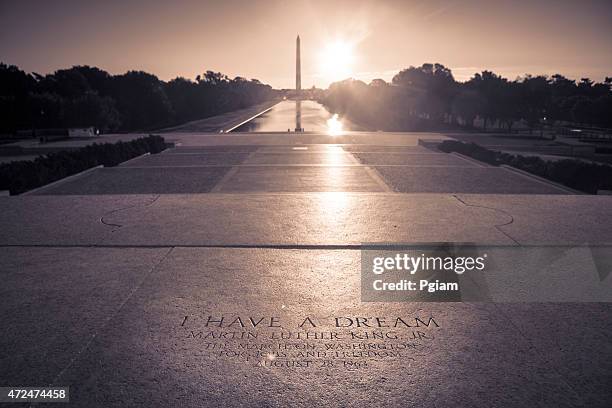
<point>108,213</point>
<point>497,226</point>
<point>109,319</point>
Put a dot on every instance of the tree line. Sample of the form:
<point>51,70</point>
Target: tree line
<point>84,96</point>
<point>428,97</point>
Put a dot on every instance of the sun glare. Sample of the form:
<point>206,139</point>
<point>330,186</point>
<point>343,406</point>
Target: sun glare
<point>334,125</point>
<point>336,61</point>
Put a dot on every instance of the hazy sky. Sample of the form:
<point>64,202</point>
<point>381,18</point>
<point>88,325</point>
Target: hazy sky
<point>256,39</point>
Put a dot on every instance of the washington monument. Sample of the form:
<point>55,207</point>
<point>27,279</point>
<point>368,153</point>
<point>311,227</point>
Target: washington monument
<point>298,87</point>
<point>298,69</point>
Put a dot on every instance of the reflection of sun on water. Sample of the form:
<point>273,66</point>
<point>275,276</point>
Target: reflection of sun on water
<point>334,125</point>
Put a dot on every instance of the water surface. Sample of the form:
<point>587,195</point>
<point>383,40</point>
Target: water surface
<point>288,115</point>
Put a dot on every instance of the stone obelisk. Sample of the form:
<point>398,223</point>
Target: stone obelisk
<point>298,87</point>
<point>298,68</point>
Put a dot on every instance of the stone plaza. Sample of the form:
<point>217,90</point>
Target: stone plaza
<point>115,281</point>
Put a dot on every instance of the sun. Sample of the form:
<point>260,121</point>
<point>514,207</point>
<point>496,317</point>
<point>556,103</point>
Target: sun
<point>336,61</point>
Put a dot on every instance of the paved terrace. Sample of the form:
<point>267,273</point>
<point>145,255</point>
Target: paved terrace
<point>106,275</point>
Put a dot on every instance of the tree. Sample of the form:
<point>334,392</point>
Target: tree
<point>378,83</point>
<point>534,96</point>
<point>91,109</point>
<point>426,97</point>
<point>489,86</point>
<point>468,104</point>
<point>67,83</point>
<point>583,110</point>
<point>15,87</point>
<point>434,86</point>
<point>141,100</point>
<point>214,78</point>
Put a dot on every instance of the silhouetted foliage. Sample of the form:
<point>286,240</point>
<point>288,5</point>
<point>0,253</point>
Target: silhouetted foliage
<point>21,176</point>
<point>428,97</point>
<point>577,174</point>
<point>84,96</point>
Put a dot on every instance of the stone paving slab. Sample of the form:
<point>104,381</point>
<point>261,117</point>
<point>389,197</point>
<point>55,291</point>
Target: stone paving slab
<point>55,301</point>
<point>125,180</point>
<point>570,219</point>
<point>352,218</point>
<point>301,148</point>
<point>413,159</point>
<point>307,219</point>
<point>300,179</point>
<point>252,219</point>
<point>184,160</point>
<point>61,220</point>
<point>142,346</point>
<point>568,336</point>
<point>295,158</point>
<point>210,149</point>
<point>489,180</point>
<point>366,148</point>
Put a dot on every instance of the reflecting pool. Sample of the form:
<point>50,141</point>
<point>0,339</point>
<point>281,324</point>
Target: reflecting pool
<point>309,116</point>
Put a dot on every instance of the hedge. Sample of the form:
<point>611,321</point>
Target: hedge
<point>576,174</point>
<point>21,176</point>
